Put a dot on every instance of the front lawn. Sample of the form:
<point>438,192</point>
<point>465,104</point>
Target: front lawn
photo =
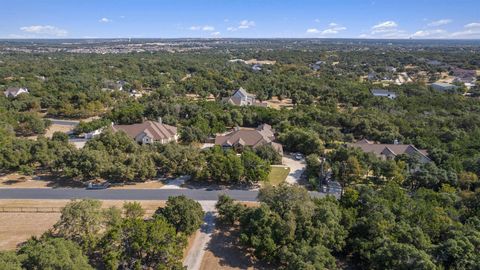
<point>278,175</point>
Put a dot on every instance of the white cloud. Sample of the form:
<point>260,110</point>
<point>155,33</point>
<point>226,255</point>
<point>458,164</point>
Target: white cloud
<point>385,25</point>
<point>317,20</point>
<point>245,24</point>
<point>436,33</point>
<point>333,28</point>
<point>216,34</point>
<point>313,31</point>
<point>104,20</point>
<point>472,25</point>
<point>386,29</point>
<point>439,22</point>
<point>206,28</point>
<point>472,30</point>
<point>44,30</point>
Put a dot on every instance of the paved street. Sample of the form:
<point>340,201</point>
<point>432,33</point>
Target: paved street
<point>123,194</point>
<point>127,194</point>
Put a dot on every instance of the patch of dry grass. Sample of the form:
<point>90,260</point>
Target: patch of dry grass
<point>17,227</point>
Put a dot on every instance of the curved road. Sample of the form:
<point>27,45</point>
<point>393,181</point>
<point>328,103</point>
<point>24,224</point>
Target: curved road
<point>128,194</point>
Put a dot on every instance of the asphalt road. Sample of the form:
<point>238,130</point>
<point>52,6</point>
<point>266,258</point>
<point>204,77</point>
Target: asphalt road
<point>127,194</point>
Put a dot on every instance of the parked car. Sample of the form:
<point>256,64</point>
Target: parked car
<point>298,156</point>
<point>103,185</point>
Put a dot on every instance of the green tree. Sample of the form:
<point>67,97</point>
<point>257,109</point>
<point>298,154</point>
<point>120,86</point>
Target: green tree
<point>10,261</point>
<point>53,253</point>
<point>185,214</point>
<point>255,168</point>
<point>82,222</point>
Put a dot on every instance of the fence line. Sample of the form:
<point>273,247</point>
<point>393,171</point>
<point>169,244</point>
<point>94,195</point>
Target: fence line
<point>30,209</point>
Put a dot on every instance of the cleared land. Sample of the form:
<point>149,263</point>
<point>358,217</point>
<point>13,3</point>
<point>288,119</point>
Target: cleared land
<point>17,227</point>
<point>278,174</point>
<point>224,252</point>
<point>277,104</point>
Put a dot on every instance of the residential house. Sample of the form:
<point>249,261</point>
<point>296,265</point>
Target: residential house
<point>384,93</point>
<point>390,151</point>
<point>15,91</point>
<point>317,65</point>
<point>444,87</point>
<point>252,137</point>
<point>243,98</point>
<point>257,67</point>
<point>149,132</point>
<point>464,75</point>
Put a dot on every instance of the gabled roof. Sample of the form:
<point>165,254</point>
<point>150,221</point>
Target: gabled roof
<point>244,92</point>
<point>247,137</point>
<point>393,149</point>
<point>155,130</point>
<point>14,91</point>
<point>382,92</point>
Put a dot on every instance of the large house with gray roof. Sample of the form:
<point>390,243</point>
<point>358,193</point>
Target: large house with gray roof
<point>252,137</point>
<point>390,151</point>
<point>149,132</point>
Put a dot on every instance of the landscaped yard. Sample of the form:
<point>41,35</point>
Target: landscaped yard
<point>278,174</point>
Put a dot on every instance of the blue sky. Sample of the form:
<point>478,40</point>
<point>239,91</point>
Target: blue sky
<point>458,19</point>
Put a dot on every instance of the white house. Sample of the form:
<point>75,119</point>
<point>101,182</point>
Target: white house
<point>15,91</point>
<point>243,98</point>
<point>384,93</point>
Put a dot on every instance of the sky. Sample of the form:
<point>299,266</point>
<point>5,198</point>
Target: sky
<point>417,19</point>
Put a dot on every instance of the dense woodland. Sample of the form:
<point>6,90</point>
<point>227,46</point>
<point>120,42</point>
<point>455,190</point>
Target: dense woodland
<point>390,215</point>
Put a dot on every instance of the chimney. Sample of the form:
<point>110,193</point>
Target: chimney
<point>160,120</point>
<point>395,141</point>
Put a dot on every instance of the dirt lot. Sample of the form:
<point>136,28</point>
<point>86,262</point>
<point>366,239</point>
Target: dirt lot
<point>277,104</point>
<point>224,253</point>
<point>55,127</point>
<point>17,227</point>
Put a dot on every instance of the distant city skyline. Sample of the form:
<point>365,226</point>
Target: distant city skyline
<point>419,19</point>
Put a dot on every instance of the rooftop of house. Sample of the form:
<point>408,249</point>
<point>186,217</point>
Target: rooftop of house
<point>244,92</point>
<point>382,92</point>
<point>155,130</point>
<point>254,137</point>
<point>13,91</point>
<point>395,149</point>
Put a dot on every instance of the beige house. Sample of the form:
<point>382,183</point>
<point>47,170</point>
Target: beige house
<point>149,132</point>
<point>390,151</point>
<point>253,137</point>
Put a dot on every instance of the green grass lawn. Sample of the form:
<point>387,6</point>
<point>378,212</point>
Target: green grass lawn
<point>277,175</point>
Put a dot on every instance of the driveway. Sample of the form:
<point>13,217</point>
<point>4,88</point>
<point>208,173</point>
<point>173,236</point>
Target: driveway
<point>297,167</point>
<point>176,183</point>
<point>194,258</point>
